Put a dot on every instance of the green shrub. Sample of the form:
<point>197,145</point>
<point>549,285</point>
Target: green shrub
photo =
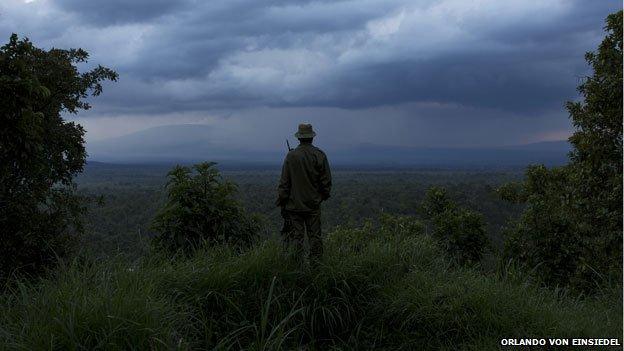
<point>436,202</point>
<point>544,237</point>
<point>201,209</point>
<point>464,235</point>
<point>461,231</point>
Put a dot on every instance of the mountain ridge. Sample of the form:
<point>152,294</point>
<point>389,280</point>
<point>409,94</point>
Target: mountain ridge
<point>192,142</point>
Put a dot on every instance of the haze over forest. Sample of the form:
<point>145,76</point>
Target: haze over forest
<point>192,143</point>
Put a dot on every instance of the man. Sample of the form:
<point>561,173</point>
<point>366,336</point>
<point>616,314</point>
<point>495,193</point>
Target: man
<point>304,184</point>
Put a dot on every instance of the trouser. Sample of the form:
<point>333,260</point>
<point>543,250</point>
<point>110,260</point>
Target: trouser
<point>302,223</point>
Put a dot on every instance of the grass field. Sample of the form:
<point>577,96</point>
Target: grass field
<point>378,287</point>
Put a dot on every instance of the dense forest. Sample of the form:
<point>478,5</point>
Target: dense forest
<point>128,197</point>
<point>118,257</point>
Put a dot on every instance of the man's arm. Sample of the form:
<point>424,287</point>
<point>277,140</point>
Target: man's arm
<point>283,189</point>
<point>325,180</point>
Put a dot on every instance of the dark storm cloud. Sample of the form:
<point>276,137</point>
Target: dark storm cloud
<point>231,54</point>
<point>111,12</point>
<point>521,58</point>
<point>193,43</point>
<point>505,81</point>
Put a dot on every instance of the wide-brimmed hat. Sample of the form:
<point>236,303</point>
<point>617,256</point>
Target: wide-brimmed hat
<point>305,131</point>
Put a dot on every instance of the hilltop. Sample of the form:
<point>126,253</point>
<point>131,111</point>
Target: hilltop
<point>383,287</point>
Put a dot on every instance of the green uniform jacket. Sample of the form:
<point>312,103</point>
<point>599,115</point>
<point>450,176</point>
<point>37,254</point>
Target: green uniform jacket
<point>306,179</point>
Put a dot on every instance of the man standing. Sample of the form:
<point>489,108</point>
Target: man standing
<point>304,184</point>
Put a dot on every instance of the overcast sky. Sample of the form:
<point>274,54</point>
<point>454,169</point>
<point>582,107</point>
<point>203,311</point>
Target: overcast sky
<point>399,72</point>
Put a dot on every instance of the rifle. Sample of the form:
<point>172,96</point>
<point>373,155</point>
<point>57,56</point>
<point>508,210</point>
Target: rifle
<point>287,227</point>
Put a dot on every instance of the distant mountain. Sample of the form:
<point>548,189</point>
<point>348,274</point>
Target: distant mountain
<point>164,144</point>
<point>555,146</point>
<point>549,153</point>
<point>192,142</point>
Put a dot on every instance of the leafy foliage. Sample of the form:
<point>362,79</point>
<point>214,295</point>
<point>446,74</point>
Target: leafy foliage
<point>201,208</point>
<point>462,231</point>
<point>40,152</point>
<point>571,230</point>
<point>545,236</point>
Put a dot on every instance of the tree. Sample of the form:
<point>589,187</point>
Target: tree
<point>201,210</point>
<point>40,152</point>
<point>461,231</point>
<point>571,230</point>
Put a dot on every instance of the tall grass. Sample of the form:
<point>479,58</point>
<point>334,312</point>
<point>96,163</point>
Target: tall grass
<point>384,288</point>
